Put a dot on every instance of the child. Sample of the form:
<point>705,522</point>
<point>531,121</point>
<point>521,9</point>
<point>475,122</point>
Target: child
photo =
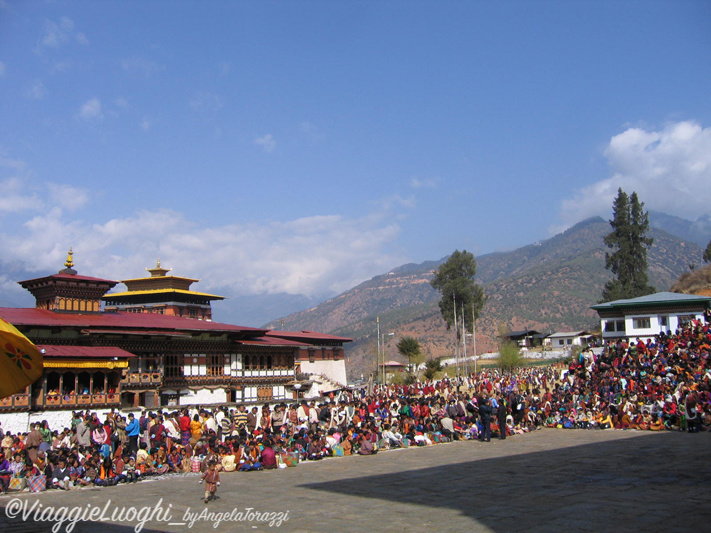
<point>17,466</point>
<point>77,473</point>
<point>211,477</point>
<point>130,470</point>
<point>61,475</point>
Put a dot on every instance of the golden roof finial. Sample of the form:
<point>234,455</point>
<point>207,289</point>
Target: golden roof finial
<point>158,270</point>
<point>69,263</point>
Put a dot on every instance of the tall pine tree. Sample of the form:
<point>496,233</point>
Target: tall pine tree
<point>629,242</point>
<point>707,253</point>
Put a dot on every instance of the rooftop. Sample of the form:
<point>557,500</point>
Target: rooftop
<point>147,322</point>
<point>657,299</point>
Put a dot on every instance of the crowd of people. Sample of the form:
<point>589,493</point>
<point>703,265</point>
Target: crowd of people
<point>662,384</point>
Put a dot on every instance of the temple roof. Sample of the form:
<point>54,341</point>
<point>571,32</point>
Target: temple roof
<point>67,277</point>
<point>67,274</point>
<point>146,322</point>
<point>306,336</point>
<point>51,350</point>
<point>130,294</point>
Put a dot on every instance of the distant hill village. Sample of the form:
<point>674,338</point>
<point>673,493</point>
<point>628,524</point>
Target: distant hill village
<point>155,344</point>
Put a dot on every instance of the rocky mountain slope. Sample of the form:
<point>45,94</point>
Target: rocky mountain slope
<point>547,286</point>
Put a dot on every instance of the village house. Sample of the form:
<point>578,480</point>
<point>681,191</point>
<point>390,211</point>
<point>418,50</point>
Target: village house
<point>647,316</point>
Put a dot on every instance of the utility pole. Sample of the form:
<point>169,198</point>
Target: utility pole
<point>474,339</point>
<point>464,343</point>
<point>456,333</point>
<point>377,365</point>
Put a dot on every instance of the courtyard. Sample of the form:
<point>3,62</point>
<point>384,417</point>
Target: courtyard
<point>549,480</point>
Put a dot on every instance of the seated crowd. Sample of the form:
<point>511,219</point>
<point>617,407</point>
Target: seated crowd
<point>657,385</point>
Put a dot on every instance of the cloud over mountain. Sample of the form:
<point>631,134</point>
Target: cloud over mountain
<point>669,168</point>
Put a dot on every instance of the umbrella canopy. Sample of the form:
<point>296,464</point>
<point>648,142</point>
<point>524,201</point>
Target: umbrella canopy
<point>20,360</point>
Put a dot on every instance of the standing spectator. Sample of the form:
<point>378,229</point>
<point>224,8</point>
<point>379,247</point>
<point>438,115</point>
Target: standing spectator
<point>278,418</point>
<point>185,428</point>
<point>252,420</point>
<point>501,414</point>
<point>84,434</point>
<point>46,443</point>
<point>157,433</point>
<point>33,441</point>
<point>133,430</point>
<point>209,424</point>
<point>485,411</point>
<point>240,419</point>
<point>172,431</point>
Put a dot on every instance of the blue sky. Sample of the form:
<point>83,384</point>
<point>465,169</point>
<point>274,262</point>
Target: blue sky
<point>303,147</point>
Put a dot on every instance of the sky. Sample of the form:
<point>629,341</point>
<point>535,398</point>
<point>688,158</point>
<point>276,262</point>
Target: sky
<point>303,147</point>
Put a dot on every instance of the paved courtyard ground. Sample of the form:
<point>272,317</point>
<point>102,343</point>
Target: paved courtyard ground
<point>550,480</point>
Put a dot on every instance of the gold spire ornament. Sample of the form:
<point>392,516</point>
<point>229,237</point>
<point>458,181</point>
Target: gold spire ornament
<point>158,271</point>
<point>69,263</point>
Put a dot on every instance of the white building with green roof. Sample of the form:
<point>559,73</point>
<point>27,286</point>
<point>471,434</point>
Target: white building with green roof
<point>650,315</point>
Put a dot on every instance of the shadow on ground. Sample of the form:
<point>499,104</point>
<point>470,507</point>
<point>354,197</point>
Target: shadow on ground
<point>655,482</point>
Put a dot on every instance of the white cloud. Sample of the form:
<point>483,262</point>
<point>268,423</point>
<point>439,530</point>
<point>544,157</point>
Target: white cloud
<point>311,131</point>
<point>313,256</point>
<point>67,196</point>
<point>15,164</point>
<point>53,35</point>
<point>66,24</point>
<point>61,66</point>
<point>669,169</point>
<point>91,110</point>
<point>14,196</point>
<point>419,183</point>
<point>36,91</point>
<point>141,65</point>
<point>16,191</point>
<point>59,33</point>
<point>206,102</point>
<point>396,200</point>
<point>267,143</point>
<point>146,124</point>
<point>225,68</point>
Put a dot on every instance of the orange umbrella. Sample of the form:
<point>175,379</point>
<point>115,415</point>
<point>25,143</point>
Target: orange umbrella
<point>20,360</point>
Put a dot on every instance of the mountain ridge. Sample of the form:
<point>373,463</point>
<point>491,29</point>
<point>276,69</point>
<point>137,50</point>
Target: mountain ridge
<point>547,286</point>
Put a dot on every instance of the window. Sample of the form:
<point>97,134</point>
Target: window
<point>173,366</point>
<point>641,323</point>
<point>610,326</point>
<point>663,321</point>
<point>215,365</point>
